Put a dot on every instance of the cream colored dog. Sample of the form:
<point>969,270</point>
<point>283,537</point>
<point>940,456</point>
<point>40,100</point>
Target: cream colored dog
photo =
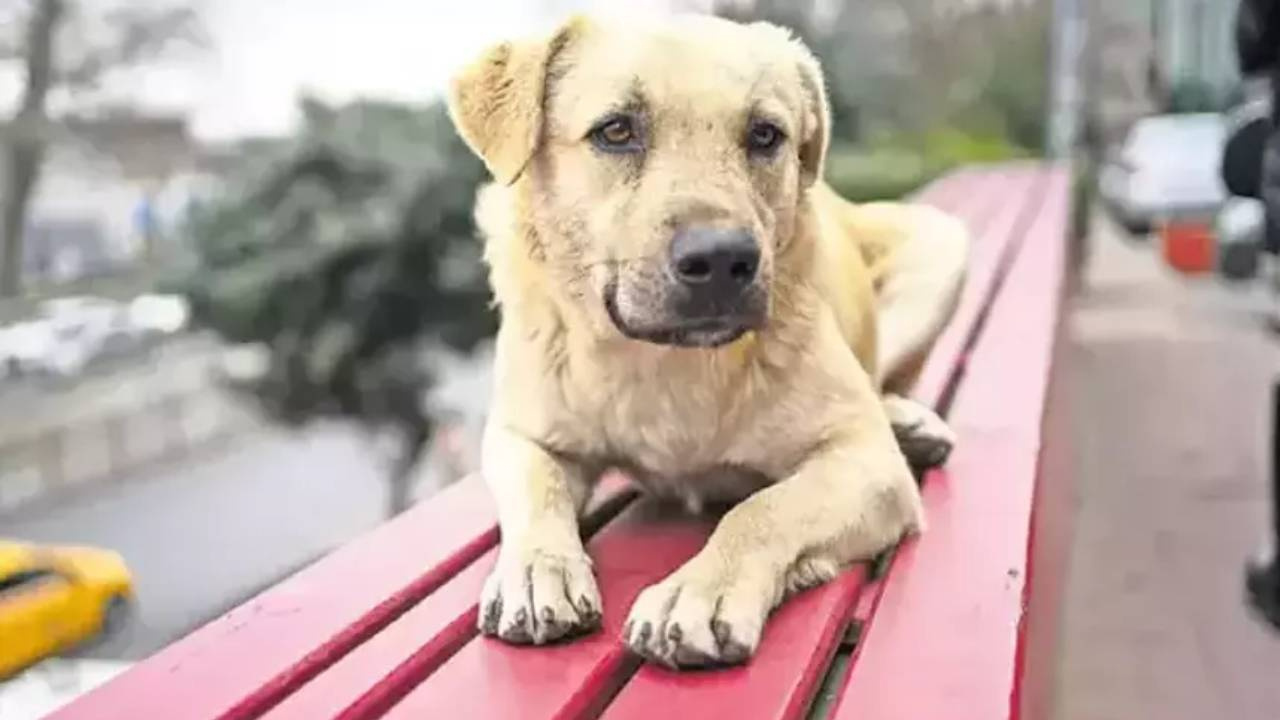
<point>683,297</point>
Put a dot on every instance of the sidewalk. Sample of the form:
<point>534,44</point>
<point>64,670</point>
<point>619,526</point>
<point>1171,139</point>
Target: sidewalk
<point>1170,436</point>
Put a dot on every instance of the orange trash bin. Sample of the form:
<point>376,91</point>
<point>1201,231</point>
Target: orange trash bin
<point>1189,246</point>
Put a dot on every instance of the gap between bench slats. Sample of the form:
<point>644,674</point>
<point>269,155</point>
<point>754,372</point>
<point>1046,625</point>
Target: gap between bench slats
<point>801,637</point>
<point>945,638</point>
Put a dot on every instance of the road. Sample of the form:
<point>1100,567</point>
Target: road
<point>203,535</point>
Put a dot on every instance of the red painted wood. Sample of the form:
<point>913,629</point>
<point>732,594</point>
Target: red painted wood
<point>868,599</point>
<point>1053,519</point>
<point>1012,192</point>
<point>489,679</point>
<point>248,660</point>
<point>377,674</point>
<point>945,639</point>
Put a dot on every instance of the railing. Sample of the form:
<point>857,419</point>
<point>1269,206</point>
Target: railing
<point>104,448</point>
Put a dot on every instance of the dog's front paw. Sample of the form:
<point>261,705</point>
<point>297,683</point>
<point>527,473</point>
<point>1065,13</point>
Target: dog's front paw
<point>538,597</point>
<point>694,619</point>
<point>925,438</point>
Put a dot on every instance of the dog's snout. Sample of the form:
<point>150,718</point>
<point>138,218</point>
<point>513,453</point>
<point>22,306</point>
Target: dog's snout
<point>717,261</point>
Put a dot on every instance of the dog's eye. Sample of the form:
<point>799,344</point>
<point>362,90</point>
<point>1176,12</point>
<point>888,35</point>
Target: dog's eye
<point>763,136</point>
<point>617,134</point>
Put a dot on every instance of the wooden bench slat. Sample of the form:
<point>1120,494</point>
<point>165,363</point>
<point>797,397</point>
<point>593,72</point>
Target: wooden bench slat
<point>945,638</point>
<point>802,635</point>
<point>489,679</point>
<point>374,676</point>
<point>243,663</point>
<point>1007,192</point>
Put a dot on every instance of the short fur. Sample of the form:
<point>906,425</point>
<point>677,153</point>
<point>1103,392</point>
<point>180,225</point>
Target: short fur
<point>796,418</point>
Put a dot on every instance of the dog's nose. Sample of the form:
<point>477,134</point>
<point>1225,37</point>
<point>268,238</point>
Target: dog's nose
<point>717,261</point>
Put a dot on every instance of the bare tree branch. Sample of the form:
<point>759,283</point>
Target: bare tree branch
<point>24,144</point>
<point>133,36</point>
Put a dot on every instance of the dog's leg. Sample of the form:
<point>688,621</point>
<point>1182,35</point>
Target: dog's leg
<point>542,588</point>
<point>918,293</point>
<point>848,502</point>
<point>924,437</point>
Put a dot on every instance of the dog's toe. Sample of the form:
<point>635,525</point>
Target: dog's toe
<point>540,599</point>
<point>925,438</point>
<point>688,622</point>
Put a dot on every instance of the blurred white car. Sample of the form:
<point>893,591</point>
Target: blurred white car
<point>67,334</point>
<point>1168,166</point>
<point>162,314</point>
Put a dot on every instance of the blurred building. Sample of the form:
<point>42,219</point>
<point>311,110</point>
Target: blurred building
<point>113,190</point>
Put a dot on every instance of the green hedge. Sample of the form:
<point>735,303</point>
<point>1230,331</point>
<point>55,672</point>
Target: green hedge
<point>894,166</point>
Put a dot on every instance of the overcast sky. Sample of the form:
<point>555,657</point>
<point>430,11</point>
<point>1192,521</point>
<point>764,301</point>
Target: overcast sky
<point>265,52</point>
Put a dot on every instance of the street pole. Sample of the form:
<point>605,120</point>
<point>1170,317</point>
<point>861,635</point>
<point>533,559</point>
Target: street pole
<point>1067,33</point>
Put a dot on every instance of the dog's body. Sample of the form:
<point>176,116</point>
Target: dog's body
<point>683,297</point>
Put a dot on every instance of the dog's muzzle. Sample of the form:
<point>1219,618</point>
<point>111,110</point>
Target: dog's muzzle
<point>714,296</point>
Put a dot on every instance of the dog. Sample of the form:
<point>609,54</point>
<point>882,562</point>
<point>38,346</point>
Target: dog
<point>684,298</point>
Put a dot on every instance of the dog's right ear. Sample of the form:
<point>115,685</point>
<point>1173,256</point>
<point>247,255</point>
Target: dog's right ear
<point>496,101</point>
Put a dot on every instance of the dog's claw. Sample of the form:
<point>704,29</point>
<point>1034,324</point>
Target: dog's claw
<point>528,602</point>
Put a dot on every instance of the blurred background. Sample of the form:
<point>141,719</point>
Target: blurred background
<point>243,319</point>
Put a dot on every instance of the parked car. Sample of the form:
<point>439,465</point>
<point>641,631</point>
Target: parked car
<point>159,314</point>
<point>68,333</point>
<point>1168,166</point>
<point>53,598</point>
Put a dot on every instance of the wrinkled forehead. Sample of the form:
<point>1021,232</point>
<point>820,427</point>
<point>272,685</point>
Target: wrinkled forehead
<point>713,71</point>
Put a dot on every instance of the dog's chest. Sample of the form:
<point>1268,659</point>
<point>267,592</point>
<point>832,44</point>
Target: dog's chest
<point>682,433</point>
<point>666,429</point>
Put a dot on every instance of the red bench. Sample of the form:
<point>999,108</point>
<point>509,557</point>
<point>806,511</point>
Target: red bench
<point>385,626</point>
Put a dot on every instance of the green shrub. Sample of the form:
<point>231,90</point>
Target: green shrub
<point>894,166</point>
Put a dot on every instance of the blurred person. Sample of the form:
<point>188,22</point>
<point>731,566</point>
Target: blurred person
<point>1258,50</point>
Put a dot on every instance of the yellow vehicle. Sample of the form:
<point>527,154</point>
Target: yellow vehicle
<point>53,598</point>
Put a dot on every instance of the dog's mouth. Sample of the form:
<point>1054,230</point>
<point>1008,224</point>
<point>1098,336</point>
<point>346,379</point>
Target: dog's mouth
<point>703,332</point>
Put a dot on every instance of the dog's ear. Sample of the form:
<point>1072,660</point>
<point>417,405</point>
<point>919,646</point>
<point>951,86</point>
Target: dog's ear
<point>496,101</point>
<point>815,121</point>
<point>816,133</point>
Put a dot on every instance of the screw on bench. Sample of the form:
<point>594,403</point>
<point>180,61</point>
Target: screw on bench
<point>1262,577</point>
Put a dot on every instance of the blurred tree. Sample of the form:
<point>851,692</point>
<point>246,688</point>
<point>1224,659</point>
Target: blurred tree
<point>348,253</point>
<point>61,46</point>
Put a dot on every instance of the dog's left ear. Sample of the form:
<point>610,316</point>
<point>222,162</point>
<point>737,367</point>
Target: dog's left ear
<point>496,101</point>
<point>815,130</point>
<point>816,134</point>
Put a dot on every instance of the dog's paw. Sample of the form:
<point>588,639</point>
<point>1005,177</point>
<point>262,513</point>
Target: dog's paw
<point>925,439</point>
<point>538,597</point>
<point>690,621</point>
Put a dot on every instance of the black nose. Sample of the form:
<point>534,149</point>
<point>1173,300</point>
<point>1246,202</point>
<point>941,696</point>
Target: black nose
<point>717,261</point>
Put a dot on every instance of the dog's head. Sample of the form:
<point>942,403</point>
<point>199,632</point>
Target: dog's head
<point>664,165</point>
